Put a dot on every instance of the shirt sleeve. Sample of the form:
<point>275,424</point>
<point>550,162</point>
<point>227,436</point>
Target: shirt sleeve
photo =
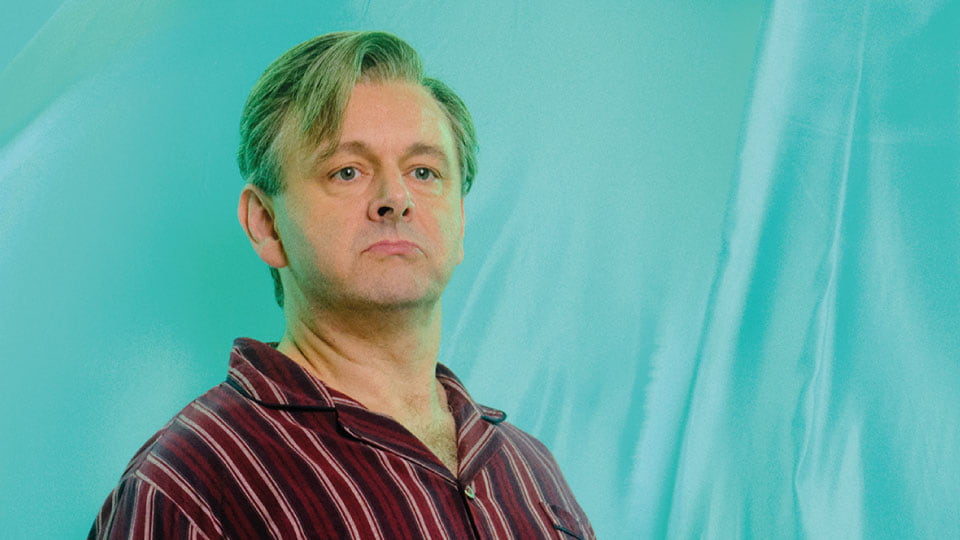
<point>138,510</point>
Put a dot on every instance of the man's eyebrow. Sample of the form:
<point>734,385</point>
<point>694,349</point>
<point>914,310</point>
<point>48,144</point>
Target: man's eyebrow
<point>357,147</point>
<point>320,157</point>
<point>421,149</point>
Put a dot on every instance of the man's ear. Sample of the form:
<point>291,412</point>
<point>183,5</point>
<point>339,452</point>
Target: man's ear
<point>257,217</point>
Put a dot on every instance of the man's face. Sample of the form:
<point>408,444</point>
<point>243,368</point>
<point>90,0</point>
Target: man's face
<point>380,222</point>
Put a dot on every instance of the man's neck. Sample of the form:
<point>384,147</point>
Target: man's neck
<point>384,359</point>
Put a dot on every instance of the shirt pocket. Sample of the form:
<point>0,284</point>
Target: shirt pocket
<point>566,523</point>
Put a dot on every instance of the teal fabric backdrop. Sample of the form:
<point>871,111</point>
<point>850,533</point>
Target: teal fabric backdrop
<point>712,252</point>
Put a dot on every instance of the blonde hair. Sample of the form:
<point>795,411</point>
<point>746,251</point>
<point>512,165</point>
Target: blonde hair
<point>307,89</point>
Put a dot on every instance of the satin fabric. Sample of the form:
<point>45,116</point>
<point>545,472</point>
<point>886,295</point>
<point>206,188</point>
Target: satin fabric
<point>822,399</point>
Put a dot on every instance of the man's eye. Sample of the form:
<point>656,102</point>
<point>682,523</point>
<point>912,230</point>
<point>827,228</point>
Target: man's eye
<point>347,174</point>
<point>423,173</point>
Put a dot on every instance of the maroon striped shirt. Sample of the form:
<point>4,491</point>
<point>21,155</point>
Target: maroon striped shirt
<point>274,453</point>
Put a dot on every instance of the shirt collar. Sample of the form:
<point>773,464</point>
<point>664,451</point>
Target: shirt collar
<point>262,373</point>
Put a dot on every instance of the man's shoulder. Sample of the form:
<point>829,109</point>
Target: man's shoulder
<point>186,436</point>
<point>518,436</point>
<point>528,445</point>
<point>172,479</point>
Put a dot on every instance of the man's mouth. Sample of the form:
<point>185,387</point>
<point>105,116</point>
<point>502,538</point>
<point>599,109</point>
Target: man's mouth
<point>394,247</point>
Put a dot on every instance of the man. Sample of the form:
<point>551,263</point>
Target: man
<point>348,427</point>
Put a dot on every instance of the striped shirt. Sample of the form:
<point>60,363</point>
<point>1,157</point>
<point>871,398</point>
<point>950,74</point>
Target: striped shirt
<point>274,453</point>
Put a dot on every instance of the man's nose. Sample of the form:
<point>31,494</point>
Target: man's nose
<point>392,200</point>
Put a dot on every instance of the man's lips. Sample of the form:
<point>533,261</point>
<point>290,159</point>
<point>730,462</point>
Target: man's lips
<point>394,247</point>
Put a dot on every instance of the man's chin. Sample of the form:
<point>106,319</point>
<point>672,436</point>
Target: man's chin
<point>400,290</point>
<point>398,298</point>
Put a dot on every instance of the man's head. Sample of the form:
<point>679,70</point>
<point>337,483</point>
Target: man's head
<point>296,109</point>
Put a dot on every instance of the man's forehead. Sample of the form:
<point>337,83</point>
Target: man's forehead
<point>405,107</point>
<point>404,117</point>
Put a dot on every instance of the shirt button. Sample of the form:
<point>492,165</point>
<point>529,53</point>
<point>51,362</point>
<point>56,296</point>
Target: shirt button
<point>470,493</point>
